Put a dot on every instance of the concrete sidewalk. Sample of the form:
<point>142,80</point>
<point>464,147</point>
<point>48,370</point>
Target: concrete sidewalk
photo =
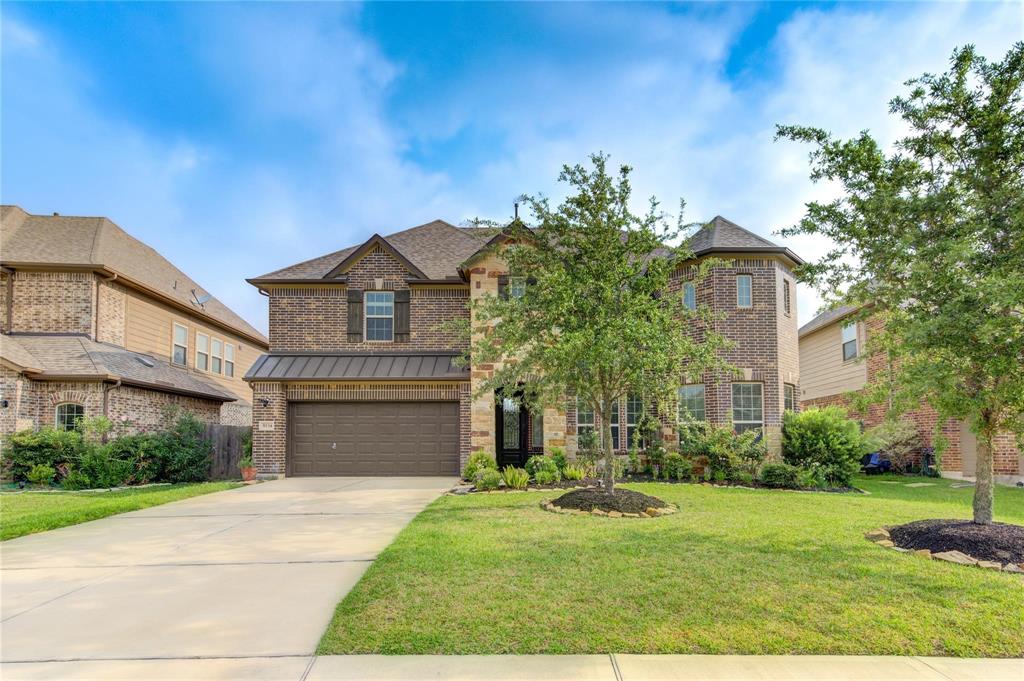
<point>531,668</point>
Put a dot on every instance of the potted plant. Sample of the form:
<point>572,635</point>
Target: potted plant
<point>245,465</point>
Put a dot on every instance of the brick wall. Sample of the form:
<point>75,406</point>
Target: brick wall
<point>315,318</point>
<point>269,446</point>
<point>54,302</point>
<point>110,312</point>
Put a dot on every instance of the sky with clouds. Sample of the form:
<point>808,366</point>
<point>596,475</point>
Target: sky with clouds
<point>238,139</point>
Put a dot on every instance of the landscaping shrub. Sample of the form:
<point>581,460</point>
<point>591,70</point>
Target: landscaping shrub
<point>779,475</point>
<point>693,439</point>
<point>144,455</point>
<point>186,454</point>
<point>101,469</point>
<point>515,478</point>
<point>41,474</point>
<point>537,465</point>
<point>677,467</point>
<point>74,479</point>
<point>572,472</point>
<point>810,477</point>
<point>827,437</point>
<point>558,456</point>
<point>46,446</point>
<point>656,454</point>
<point>478,461</point>
<point>719,452</point>
<point>633,462</point>
<point>751,450</point>
<point>487,479</point>
<point>897,441</point>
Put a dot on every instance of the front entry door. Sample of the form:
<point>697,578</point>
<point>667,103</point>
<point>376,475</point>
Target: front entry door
<point>510,432</point>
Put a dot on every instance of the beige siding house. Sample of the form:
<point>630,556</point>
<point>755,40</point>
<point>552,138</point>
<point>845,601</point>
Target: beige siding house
<point>94,321</point>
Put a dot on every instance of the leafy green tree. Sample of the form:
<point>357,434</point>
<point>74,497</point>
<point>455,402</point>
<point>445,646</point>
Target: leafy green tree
<point>930,238</point>
<point>589,314</point>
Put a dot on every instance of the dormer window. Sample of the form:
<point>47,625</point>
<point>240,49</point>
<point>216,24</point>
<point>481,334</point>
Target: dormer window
<point>380,316</point>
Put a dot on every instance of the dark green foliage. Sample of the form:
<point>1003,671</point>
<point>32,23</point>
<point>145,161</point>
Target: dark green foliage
<point>47,446</point>
<point>74,479</point>
<point>677,467</point>
<point>487,479</point>
<point>41,474</point>
<point>826,437</point>
<point>101,469</point>
<point>538,466</point>
<point>478,461</point>
<point>144,453</point>
<point>186,454</point>
<point>781,475</point>
<point>558,456</point>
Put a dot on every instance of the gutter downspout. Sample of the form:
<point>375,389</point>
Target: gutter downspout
<point>106,400</point>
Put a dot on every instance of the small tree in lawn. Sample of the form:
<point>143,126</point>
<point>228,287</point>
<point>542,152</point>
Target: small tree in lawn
<point>589,313</point>
<point>932,237</point>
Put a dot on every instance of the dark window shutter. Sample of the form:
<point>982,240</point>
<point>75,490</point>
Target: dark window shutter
<point>355,316</point>
<point>402,316</point>
<point>503,286</point>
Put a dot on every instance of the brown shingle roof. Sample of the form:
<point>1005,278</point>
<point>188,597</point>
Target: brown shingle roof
<point>723,236</point>
<point>826,318</point>
<point>98,242</point>
<point>46,356</point>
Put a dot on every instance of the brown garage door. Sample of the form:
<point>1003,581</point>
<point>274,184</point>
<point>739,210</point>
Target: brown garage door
<point>373,438</point>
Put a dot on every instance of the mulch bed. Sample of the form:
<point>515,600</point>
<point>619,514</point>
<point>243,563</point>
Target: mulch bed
<point>999,542</point>
<point>621,500</point>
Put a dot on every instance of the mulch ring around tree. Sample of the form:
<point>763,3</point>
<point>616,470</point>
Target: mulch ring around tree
<point>617,504</point>
<point>1000,542</point>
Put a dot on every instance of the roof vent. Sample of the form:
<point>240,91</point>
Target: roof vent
<point>146,361</point>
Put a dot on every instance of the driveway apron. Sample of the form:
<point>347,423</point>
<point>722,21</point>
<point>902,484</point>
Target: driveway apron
<point>250,572</point>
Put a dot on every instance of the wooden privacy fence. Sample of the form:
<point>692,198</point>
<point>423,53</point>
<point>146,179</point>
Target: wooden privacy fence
<point>228,444</point>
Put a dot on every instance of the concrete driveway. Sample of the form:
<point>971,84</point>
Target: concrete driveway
<point>251,572</point>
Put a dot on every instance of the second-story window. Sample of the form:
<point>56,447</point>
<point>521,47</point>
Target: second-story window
<point>689,295</point>
<point>787,305</point>
<point>202,352</point>
<point>179,351</point>
<point>744,290</point>
<point>229,359</point>
<point>218,356</point>
<point>380,315</point>
<point>849,341</point>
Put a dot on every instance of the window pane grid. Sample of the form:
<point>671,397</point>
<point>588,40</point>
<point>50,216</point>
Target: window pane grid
<point>68,416</point>
<point>691,403</point>
<point>689,296</point>
<point>584,418</point>
<point>747,407</point>
<point>380,311</point>
<point>634,407</point>
<point>744,293</point>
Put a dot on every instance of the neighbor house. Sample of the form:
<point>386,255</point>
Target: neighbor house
<point>95,322</point>
<point>834,367</point>
<point>363,377</point>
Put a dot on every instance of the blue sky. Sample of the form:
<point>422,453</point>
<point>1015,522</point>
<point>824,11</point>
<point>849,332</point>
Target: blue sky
<point>237,139</point>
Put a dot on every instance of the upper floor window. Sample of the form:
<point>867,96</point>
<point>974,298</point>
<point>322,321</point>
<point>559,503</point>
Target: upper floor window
<point>634,408</point>
<point>744,290</point>
<point>516,287</point>
<point>584,417</point>
<point>217,356</point>
<point>747,406</point>
<point>849,341</point>
<point>689,295</point>
<point>179,351</point>
<point>69,415</point>
<point>691,403</point>
<point>789,397</point>
<point>229,359</point>
<point>202,352</point>
<point>787,305</point>
<point>380,315</point>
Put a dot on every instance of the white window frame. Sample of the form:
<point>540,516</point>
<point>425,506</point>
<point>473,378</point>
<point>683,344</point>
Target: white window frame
<point>591,423</point>
<point>682,398</point>
<point>851,331</point>
<point>367,316</point>
<point>229,359</point>
<point>750,291</point>
<point>739,425</point>
<point>216,359</point>
<point>787,298</point>
<point>175,344</point>
<point>201,353</point>
<point>61,424</point>
<point>689,295</point>
<point>789,389</point>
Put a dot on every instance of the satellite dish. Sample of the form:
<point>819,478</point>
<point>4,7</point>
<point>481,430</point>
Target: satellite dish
<point>201,299</point>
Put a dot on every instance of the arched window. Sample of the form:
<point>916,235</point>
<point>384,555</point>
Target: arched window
<point>68,415</point>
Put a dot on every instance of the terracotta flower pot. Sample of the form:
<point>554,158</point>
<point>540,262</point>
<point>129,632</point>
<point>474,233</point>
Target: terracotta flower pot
<point>249,474</point>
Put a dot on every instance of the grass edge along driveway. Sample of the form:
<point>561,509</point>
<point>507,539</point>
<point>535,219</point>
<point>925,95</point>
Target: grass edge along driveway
<point>737,571</point>
<point>23,513</point>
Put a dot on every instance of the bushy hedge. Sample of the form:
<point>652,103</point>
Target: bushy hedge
<point>729,456</point>
<point>825,437</point>
<point>81,460</point>
<point>478,461</point>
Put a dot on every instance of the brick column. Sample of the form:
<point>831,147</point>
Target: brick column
<point>269,428</point>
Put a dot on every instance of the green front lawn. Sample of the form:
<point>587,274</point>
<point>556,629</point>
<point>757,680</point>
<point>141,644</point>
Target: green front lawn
<point>24,513</point>
<point>736,571</point>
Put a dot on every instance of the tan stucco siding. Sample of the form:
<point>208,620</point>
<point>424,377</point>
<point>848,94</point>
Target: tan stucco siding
<point>822,369</point>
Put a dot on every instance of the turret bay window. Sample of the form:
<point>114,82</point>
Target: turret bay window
<point>380,315</point>
<point>69,415</point>
<point>689,296</point>
<point>747,406</point>
<point>691,403</point>
<point>179,349</point>
<point>744,290</point>
<point>849,341</point>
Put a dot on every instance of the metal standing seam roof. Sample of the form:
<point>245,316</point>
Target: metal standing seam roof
<point>357,367</point>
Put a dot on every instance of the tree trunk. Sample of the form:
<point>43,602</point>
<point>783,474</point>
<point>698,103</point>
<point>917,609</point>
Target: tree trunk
<point>983,473</point>
<point>609,448</point>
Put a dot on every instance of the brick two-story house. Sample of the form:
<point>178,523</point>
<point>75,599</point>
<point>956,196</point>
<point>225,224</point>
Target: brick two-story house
<point>362,377</point>
<point>835,366</point>
<point>95,322</point>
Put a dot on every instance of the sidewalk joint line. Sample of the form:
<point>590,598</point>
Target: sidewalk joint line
<point>615,666</point>
<point>925,663</point>
<point>309,667</point>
